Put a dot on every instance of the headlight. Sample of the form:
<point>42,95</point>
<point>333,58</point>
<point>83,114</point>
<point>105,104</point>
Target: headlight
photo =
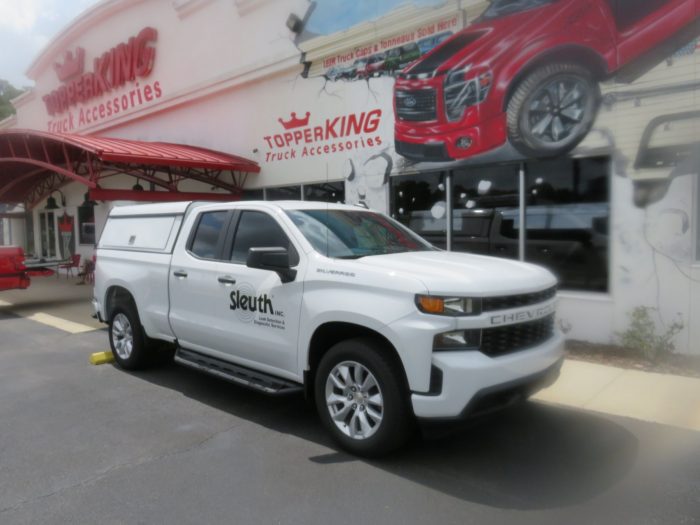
<point>464,88</point>
<point>451,306</point>
<point>457,340</point>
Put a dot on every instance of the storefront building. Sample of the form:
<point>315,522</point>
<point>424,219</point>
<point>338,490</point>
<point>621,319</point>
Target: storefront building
<point>562,132</point>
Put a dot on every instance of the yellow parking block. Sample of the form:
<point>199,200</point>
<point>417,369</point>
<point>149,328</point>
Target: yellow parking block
<point>101,358</point>
<point>60,323</point>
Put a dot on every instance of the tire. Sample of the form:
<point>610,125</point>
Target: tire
<point>359,430</point>
<point>538,124</point>
<point>127,339</point>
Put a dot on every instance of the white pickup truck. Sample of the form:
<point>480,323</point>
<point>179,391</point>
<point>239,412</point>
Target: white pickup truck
<point>380,328</point>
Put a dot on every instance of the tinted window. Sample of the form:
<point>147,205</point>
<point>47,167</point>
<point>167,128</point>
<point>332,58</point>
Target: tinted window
<point>209,231</point>
<point>283,193</point>
<point>325,192</point>
<point>418,201</point>
<point>253,195</point>
<point>568,210</point>
<point>499,8</point>
<point>629,12</point>
<point>257,230</point>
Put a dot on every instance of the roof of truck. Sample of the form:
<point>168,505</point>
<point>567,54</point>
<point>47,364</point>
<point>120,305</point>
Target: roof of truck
<point>180,208</point>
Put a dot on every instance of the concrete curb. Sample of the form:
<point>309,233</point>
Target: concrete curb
<point>659,398</point>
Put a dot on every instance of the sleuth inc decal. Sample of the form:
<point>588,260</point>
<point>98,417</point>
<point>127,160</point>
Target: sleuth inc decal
<point>257,308</point>
<point>303,138</point>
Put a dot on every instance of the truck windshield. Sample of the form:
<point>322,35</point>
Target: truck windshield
<point>500,8</point>
<point>346,234</point>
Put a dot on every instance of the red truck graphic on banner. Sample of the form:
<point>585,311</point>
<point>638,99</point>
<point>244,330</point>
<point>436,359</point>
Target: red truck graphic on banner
<point>528,71</point>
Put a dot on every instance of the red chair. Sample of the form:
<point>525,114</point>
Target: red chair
<point>73,264</point>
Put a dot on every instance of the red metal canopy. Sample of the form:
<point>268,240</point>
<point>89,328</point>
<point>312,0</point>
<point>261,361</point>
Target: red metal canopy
<point>34,163</point>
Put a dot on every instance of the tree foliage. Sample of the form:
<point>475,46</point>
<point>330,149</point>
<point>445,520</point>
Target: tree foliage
<point>7,93</point>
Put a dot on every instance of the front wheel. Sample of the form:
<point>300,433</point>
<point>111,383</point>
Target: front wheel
<point>361,398</point>
<point>552,110</point>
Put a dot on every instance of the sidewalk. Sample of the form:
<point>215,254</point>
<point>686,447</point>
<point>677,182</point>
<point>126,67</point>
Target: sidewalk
<point>659,398</point>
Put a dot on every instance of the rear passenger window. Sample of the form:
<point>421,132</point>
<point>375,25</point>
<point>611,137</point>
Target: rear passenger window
<point>258,230</point>
<point>209,231</point>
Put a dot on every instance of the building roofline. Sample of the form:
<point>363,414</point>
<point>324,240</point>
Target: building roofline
<point>52,50</point>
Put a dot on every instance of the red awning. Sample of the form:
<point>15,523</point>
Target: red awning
<point>35,163</point>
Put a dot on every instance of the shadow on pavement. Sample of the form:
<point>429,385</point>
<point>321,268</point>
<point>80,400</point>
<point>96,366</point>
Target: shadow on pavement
<point>531,457</point>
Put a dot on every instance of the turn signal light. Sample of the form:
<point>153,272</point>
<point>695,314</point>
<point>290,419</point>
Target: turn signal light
<point>453,306</point>
<point>431,305</point>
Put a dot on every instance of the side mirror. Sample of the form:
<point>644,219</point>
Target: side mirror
<point>274,259</point>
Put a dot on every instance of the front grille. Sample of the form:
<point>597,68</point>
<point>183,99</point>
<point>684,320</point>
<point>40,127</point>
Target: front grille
<point>422,152</point>
<point>505,302</point>
<point>418,105</point>
<point>516,337</point>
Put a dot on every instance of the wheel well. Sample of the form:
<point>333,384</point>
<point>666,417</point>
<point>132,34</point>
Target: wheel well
<point>329,334</point>
<point>116,295</point>
<point>574,55</point>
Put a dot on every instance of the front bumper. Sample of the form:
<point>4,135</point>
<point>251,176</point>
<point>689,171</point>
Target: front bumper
<point>426,144</point>
<point>473,383</point>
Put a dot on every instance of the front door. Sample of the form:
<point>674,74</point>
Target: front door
<point>220,306</point>
<point>47,231</point>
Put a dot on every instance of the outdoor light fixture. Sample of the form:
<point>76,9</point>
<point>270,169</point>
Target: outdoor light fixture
<point>294,23</point>
<point>87,202</point>
<point>51,202</point>
<point>137,186</point>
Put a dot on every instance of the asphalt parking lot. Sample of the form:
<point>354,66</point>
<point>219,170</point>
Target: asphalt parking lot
<point>93,444</point>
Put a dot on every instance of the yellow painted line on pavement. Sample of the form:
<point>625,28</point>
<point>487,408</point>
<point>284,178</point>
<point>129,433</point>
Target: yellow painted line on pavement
<point>101,358</point>
<point>61,324</point>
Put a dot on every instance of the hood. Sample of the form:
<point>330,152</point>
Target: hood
<point>452,273</point>
<point>482,42</point>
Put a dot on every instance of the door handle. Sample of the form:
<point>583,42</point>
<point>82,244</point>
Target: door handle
<point>180,273</point>
<point>226,279</point>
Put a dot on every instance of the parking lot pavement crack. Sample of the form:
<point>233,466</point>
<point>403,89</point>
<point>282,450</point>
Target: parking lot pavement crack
<point>122,466</point>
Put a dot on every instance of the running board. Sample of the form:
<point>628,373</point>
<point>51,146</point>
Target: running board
<point>237,374</point>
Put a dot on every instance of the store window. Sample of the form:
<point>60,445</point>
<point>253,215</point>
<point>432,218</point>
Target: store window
<point>283,193</point>
<point>567,214</point>
<point>419,202</point>
<point>86,224</point>
<point>253,195</point>
<point>325,192</point>
<point>482,200</point>
<point>568,210</point>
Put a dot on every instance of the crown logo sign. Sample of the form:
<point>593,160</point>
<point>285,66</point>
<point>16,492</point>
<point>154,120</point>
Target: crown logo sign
<point>73,65</point>
<point>295,122</point>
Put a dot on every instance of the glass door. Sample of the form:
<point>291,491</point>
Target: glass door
<point>47,231</point>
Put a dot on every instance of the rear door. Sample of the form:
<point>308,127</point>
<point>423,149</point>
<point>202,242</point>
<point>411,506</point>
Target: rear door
<point>199,304</point>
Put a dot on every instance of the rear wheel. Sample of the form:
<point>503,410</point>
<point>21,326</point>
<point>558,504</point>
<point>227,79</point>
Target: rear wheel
<point>552,110</point>
<point>361,398</point>
<point>127,339</point>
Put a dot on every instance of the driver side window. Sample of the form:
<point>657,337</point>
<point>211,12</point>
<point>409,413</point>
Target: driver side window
<point>629,12</point>
<point>258,230</point>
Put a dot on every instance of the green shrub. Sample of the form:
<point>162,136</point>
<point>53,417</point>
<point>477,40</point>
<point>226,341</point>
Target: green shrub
<point>641,334</point>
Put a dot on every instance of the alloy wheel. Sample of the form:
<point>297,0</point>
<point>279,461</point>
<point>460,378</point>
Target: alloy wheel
<point>354,400</point>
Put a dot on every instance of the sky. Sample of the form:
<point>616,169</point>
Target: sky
<point>26,26</point>
<point>337,15</point>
